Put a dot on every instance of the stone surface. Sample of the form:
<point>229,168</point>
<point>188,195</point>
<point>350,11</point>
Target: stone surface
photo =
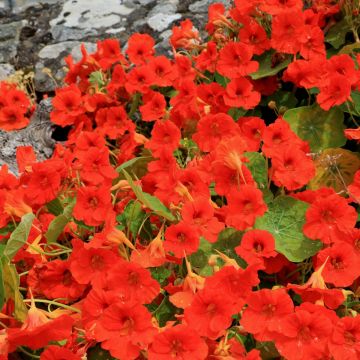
<point>6,70</point>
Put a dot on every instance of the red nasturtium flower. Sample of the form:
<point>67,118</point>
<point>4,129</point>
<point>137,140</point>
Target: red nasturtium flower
<point>178,343</point>
<point>209,313</point>
<point>181,239</point>
<point>329,218</point>
<point>92,205</point>
<point>124,329</point>
<point>256,245</point>
<point>244,206</point>
<point>54,352</point>
<point>12,118</point>
<point>38,330</point>
<point>265,308</point>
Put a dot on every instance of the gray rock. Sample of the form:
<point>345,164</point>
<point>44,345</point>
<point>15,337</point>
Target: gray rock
<point>9,40</point>
<point>37,134</point>
<point>91,14</point>
<point>17,6</point>
<point>161,22</point>
<point>5,71</point>
<point>202,5</point>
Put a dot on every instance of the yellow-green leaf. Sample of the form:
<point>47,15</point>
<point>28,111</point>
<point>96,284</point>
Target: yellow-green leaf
<point>322,129</point>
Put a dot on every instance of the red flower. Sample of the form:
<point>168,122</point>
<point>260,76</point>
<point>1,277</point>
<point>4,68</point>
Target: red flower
<point>12,118</point>
<point>124,329</point>
<point>341,268</point>
<point>163,70</point>
<point>252,129</point>
<point>285,29</point>
<point>254,35</point>
<point>291,168</point>
<point>178,343</point>
<point>154,106</point>
<point>165,135</point>
<point>265,308</point>
<point>67,105</point>
<point>134,281</point>
<point>240,93</point>
<point>244,206</point>
<point>328,218</point>
<point>235,60</point>
<point>54,280</point>
<point>54,352</point>
<point>303,333</point>
<point>235,282</point>
<point>354,187</point>
<point>200,213</point>
<point>335,91</point>
<point>109,53</point>
<point>181,239</point>
<point>88,264</point>
<point>212,128</point>
<point>95,168</point>
<point>139,79</point>
<point>113,122</point>
<point>256,245</point>
<point>43,183</point>
<point>140,48</point>
<point>207,59</point>
<point>92,205</point>
<point>38,330</point>
<point>345,340</point>
<point>209,313</point>
<point>184,36</point>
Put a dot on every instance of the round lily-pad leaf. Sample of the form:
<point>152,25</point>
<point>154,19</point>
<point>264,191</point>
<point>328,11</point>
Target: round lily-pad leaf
<point>322,129</point>
<point>284,220</point>
<point>335,168</point>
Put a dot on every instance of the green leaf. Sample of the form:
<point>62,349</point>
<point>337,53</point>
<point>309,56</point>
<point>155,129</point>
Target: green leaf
<point>282,99</point>
<point>160,274</point>
<point>351,48</point>
<point>57,225</point>
<point>136,166</point>
<point>284,220</point>
<point>96,79</point>
<point>165,312</point>
<point>7,229</point>
<point>236,113</point>
<point>335,168</point>
<point>11,285</point>
<point>266,67</point>
<point>55,207</point>
<point>337,34</point>
<point>132,217</point>
<point>257,166</point>
<point>200,259</point>
<point>352,107</point>
<point>151,202</point>
<point>19,236</point>
<point>227,240</point>
<point>221,80</point>
<point>97,353</point>
<point>2,287</point>
<point>322,129</point>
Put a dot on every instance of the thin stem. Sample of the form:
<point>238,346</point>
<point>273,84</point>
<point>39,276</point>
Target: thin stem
<point>28,353</point>
<point>67,307</point>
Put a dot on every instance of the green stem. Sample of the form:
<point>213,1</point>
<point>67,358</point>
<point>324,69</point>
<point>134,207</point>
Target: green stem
<point>134,104</point>
<point>67,307</point>
<point>28,353</point>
